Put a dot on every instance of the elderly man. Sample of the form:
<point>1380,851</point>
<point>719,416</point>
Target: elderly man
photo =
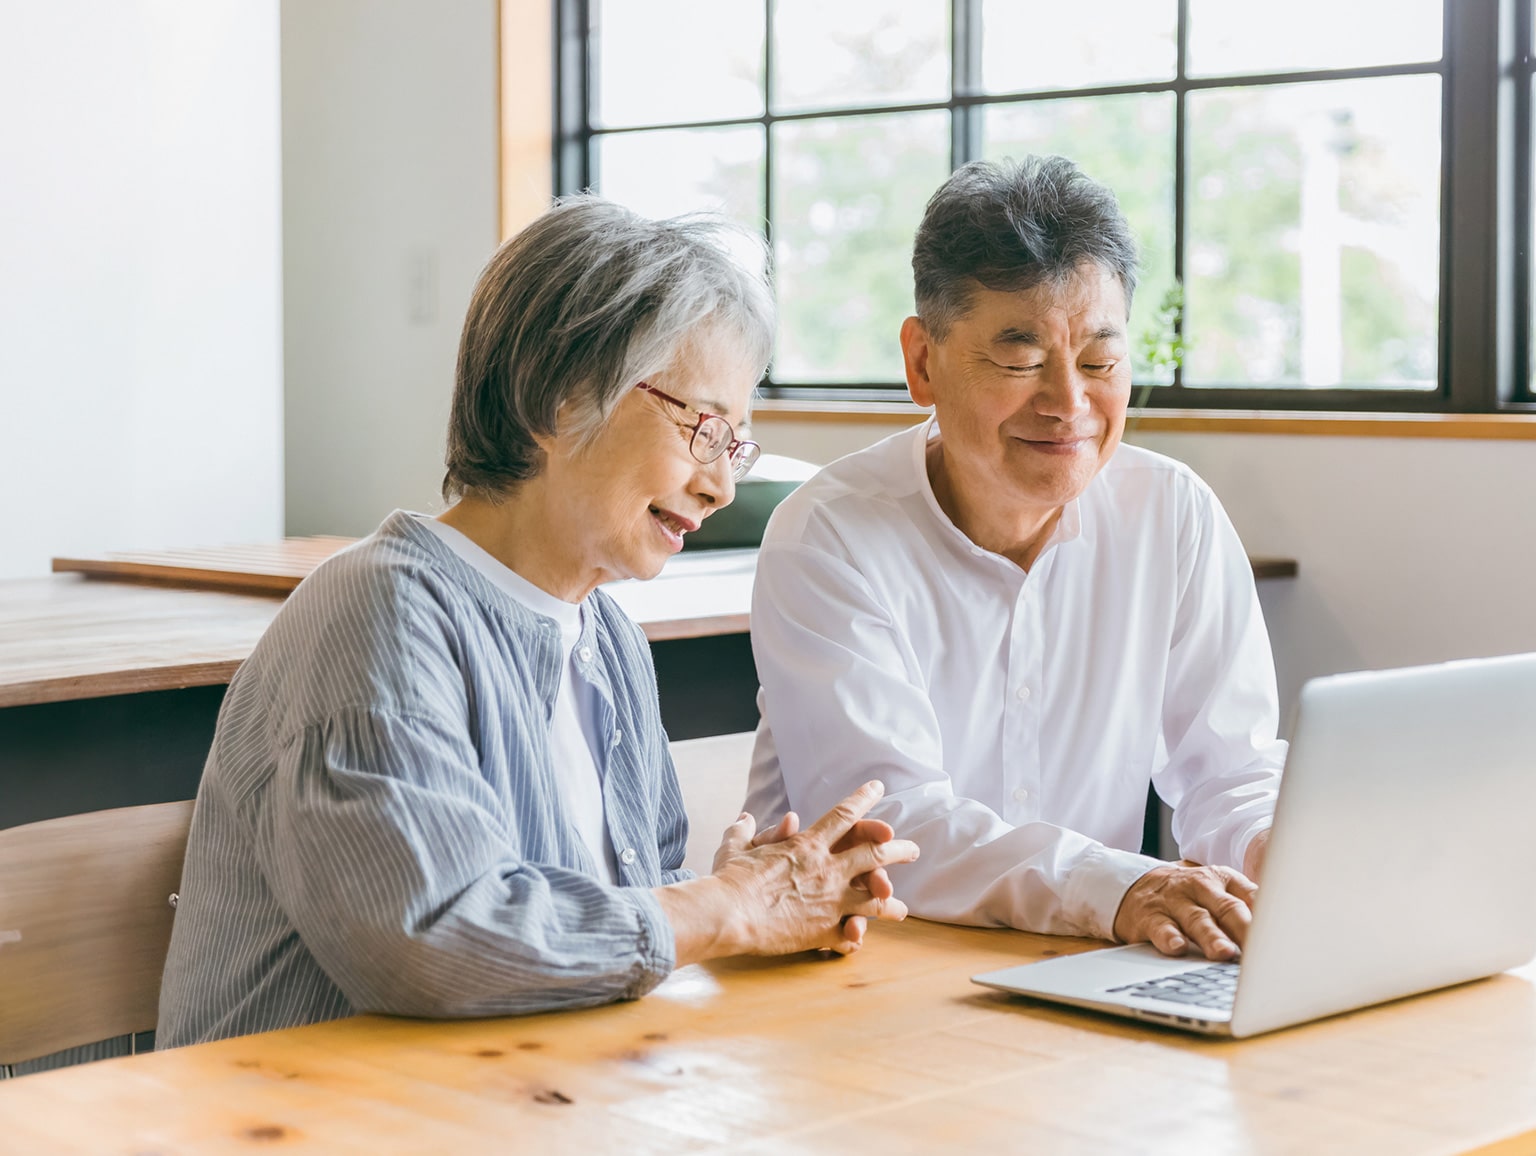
<point>1012,619</point>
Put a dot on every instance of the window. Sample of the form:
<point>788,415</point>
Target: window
<point>1340,190</point>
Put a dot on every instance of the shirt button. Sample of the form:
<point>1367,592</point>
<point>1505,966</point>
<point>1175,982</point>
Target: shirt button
<point>1023,694</point>
<point>1021,796</point>
<point>627,856</point>
<point>585,654</point>
<point>618,737</point>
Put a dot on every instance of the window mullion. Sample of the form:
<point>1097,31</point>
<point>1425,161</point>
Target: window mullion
<point>1180,150</point>
<point>965,79</point>
<point>768,206</point>
<point>1521,389</point>
<point>573,97</point>
<point>1477,300</point>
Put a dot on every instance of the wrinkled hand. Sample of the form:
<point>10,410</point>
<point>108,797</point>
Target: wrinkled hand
<point>813,889</point>
<point>1175,905</point>
<point>877,882</point>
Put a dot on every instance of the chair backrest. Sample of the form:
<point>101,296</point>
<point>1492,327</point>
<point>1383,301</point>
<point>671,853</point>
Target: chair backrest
<point>85,922</point>
<point>713,775</point>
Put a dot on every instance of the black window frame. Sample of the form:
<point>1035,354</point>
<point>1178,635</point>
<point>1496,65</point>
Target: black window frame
<point>1486,211</point>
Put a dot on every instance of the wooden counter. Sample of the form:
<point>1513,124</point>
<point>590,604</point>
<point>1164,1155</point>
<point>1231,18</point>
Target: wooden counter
<point>892,1051</point>
<point>70,636</point>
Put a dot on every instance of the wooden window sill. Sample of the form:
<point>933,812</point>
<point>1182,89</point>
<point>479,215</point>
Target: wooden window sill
<point>1504,426</point>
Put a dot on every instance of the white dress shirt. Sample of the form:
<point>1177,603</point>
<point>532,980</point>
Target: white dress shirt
<point>573,729</point>
<point>1015,717</point>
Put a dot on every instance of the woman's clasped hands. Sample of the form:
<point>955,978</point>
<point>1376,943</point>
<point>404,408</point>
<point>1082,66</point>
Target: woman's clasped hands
<point>785,890</point>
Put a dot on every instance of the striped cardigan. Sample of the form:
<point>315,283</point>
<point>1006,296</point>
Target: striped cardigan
<point>379,828</point>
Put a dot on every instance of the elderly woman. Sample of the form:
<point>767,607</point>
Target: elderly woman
<point>440,785</point>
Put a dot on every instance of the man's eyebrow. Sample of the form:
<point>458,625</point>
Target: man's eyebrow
<point>1013,335</point>
<point>1107,332</point>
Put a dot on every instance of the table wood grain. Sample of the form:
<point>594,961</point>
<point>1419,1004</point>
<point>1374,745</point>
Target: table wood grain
<point>73,636</point>
<point>892,1051</point>
<point>156,625</point>
<point>70,637</point>
<point>275,567</point>
<point>280,566</point>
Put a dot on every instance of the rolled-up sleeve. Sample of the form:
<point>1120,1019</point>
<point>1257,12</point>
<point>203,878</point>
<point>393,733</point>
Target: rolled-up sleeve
<point>387,850</point>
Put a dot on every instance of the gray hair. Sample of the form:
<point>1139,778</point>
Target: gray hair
<point>578,308</point>
<point>1012,226</point>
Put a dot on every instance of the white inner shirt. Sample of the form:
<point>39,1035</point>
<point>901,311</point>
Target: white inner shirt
<point>573,729</point>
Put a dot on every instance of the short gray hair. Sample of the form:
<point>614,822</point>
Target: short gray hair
<point>574,311</point>
<point>1011,226</point>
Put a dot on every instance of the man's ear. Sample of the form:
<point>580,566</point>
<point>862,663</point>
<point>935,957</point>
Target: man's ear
<point>916,348</point>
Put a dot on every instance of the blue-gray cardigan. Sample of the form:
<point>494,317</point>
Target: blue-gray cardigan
<point>379,827</point>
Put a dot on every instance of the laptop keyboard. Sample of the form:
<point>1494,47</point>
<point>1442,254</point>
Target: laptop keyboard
<point>1210,987</point>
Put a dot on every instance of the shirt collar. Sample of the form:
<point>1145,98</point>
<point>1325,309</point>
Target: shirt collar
<point>566,614</point>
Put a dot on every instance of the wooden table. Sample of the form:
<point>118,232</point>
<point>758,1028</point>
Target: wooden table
<point>892,1051</point>
<point>70,637</point>
<point>277,567</point>
<point>109,690</point>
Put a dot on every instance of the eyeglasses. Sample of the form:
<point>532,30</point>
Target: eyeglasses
<point>713,436</point>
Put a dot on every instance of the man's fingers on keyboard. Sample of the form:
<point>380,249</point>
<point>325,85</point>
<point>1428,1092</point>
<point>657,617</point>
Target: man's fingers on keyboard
<point>1232,916</point>
<point>1201,927</point>
<point>1167,938</point>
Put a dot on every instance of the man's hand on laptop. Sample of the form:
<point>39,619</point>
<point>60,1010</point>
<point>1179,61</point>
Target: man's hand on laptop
<point>1174,906</point>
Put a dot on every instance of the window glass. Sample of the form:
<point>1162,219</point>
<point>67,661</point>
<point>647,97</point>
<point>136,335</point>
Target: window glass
<point>1313,251</point>
<point>848,194</point>
<point>1230,37</point>
<point>1125,143</point>
<point>1085,44</point>
<point>664,172</point>
<point>1309,234</point>
<point>675,60</point>
<point>873,52</point>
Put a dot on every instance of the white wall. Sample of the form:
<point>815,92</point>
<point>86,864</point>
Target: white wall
<point>1410,549</point>
<point>140,342</point>
<point>390,209</point>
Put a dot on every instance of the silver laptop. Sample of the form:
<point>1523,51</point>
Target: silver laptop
<point>1402,859</point>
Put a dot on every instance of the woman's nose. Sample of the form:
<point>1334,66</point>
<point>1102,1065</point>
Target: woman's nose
<point>714,483</point>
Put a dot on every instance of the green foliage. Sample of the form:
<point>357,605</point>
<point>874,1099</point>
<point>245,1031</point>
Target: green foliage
<point>1161,342</point>
<point>848,194</point>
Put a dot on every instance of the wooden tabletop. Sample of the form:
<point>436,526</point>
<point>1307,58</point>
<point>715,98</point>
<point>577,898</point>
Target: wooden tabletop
<point>277,567</point>
<point>270,567</point>
<point>70,636</point>
<point>160,626</point>
<point>892,1051</point>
